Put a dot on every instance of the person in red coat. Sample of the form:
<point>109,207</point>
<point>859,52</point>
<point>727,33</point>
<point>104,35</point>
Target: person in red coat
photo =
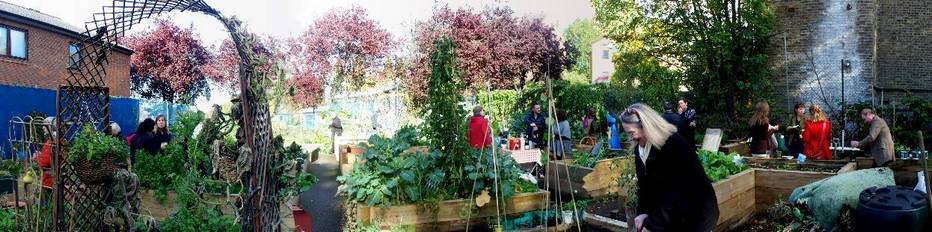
<point>478,132</point>
<point>816,135</point>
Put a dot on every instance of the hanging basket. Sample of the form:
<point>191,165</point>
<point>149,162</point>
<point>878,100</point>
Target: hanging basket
<point>93,173</point>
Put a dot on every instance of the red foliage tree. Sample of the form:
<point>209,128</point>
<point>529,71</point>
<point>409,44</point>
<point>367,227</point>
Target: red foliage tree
<point>168,63</point>
<point>340,49</point>
<point>226,61</point>
<point>492,47</point>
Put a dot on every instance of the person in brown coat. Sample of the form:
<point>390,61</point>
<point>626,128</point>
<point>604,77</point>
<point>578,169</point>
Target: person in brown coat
<point>879,139</point>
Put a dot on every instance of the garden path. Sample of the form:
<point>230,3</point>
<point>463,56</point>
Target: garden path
<point>320,202</point>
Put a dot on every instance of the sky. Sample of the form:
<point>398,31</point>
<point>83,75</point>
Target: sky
<point>289,18</point>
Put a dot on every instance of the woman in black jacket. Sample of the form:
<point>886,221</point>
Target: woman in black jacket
<point>144,138</point>
<point>674,194</point>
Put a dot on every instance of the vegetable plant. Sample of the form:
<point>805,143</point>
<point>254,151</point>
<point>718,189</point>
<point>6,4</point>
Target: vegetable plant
<point>389,178</point>
<point>194,212</point>
<point>719,166</point>
<point>293,180</point>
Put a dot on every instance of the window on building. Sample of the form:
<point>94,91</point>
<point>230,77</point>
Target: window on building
<point>75,56</point>
<point>604,54</point>
<point>13,42</point>
<point>4,38</point>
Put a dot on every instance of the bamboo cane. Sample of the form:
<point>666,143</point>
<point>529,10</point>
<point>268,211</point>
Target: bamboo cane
<point>925,170</point>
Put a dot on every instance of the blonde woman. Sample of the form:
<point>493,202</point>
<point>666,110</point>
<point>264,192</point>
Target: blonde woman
<point>816,135</point>
<point>674,194</point>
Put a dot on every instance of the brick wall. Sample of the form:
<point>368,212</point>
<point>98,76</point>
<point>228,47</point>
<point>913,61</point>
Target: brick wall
<point>46,64</point>
<point>818,35</point>
<point>888,44</point>
<point>904,51</point>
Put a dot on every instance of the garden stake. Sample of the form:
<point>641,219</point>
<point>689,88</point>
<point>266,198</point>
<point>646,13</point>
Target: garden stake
<point>925,169</point>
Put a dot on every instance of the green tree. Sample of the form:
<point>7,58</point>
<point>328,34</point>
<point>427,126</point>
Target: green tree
<point>648,77</point>
<point>578,39</point>
<point>717,47</point>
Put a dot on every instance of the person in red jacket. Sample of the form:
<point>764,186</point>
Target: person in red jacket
<point>478,131</point>
<point>816,135</point>
<point>44,159</point>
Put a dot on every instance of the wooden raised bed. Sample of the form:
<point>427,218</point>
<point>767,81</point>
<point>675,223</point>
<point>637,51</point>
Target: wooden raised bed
<point>741,148</point>
<point>735,196</point>
<point>599,181</point>
<point>775,184</point>
<point>152,207</point>
<point>349,154</point>
<point>741,195</point>
<point>448,212</point>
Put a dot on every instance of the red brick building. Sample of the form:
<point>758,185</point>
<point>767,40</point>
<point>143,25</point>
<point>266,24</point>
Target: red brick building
<point>34,51</point>
<point>34,48</point>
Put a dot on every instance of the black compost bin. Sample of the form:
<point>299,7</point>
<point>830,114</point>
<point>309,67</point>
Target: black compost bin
<point>892,208</point>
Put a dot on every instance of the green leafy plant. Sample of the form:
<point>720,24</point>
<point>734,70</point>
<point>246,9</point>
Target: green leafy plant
<point>194,212</point>
<point>292,179</point>
<point>579,204</point>
<point>482,174</point>
<point>10,167</point>
<point>719,166</point>
<point>389,178</point>
<point>156,172</point>
<point>91,145</point>
<point>446,119</point>
<point>8,221</point>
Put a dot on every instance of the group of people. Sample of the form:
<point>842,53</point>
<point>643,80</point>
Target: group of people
<point>664,157</point>
<point>683,118</point>
<point>810,135</point>
<point>150,136</point>
<point>561,143</point>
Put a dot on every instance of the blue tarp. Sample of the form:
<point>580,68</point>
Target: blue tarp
<point>19,101</point>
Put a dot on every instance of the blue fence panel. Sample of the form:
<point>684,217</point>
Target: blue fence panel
<point>19,101</point>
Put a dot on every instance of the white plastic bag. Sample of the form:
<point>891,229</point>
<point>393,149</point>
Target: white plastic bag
<point>921,186</point>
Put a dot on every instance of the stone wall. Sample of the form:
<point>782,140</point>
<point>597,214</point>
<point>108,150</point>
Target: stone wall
<point>888,45</point>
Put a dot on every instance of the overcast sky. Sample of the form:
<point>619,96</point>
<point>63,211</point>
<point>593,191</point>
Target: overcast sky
<point>287,18</point>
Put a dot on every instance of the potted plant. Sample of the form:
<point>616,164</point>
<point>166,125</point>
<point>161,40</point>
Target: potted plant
<point>94,155</point>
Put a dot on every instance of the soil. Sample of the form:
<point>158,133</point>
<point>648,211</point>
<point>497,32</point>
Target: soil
<point>797,167</point>
<point>759,223</point>
<point>609,209</point>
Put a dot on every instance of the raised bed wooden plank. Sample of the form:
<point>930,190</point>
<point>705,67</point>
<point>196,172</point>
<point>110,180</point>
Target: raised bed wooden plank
<point>149,205</point>
<point>741,148</point>
<point>605,223</point>
<point>595,182</point>
<point>775,184</point>
<point>448,211</point>
<point>735,196</point>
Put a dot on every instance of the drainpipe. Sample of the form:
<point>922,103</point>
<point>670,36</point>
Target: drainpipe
<point>786,74</point>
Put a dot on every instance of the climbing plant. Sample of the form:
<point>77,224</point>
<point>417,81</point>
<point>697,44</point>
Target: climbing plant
<point>446,128</point>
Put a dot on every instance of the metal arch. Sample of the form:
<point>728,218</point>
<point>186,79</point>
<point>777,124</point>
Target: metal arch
<point>84,100</point>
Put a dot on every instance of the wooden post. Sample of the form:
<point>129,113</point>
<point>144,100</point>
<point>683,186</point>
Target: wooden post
<point>925,169</point>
